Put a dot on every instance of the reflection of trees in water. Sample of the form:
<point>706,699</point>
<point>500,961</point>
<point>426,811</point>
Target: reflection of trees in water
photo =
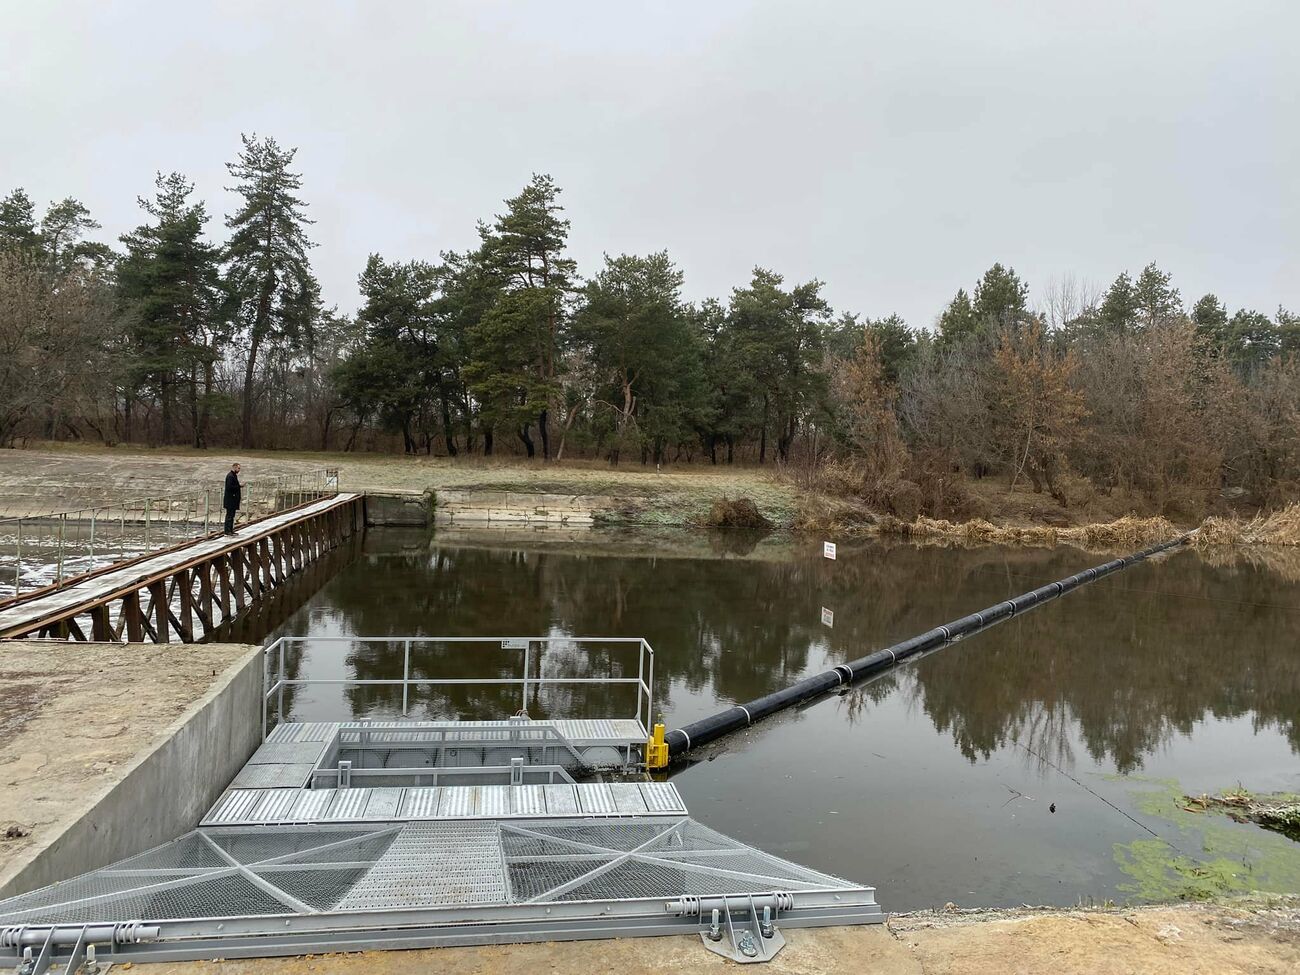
<point>856,702</point>
<point>1129,668</point>
<point>1128,661</point>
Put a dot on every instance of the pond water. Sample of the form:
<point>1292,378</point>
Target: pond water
<point>935,783</point>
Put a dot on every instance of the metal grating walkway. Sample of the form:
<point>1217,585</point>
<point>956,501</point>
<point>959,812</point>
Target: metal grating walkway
<point>251,806</point>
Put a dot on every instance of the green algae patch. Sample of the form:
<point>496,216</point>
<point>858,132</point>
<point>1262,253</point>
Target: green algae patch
<point>1210,855</point>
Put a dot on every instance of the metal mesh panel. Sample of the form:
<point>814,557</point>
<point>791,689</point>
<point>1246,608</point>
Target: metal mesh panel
<point>190,851</point>
<point>530,878</point>
<point>622,836</point>
<point>254,846</point>
<point>90,885</point>
<point>752,862</point>
<point>369,848</point>
<point>690,835</point>
<point>319,888</point>
<point>226,896</point>
<point>657,879</point>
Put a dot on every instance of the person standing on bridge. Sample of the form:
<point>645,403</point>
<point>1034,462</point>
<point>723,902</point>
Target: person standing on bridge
<point>234,493</point>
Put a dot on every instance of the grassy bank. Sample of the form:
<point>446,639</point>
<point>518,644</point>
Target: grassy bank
<point>67,475</point>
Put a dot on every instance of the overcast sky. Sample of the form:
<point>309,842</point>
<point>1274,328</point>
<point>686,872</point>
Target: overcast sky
<point>893,150</point>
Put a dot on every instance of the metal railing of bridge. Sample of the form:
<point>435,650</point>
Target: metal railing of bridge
<point>44,550</point>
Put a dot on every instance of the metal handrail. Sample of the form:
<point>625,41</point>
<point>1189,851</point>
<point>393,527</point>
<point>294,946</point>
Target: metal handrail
<point>644,680</point>
<point>96,536</point>
<point>321,778</point>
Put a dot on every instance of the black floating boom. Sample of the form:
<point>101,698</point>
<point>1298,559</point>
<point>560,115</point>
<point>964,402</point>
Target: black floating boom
<point>682,740</point>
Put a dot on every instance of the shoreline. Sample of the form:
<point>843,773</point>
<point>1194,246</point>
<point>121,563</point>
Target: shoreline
<point>64,476</point>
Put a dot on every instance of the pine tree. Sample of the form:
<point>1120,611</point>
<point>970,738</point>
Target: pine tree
<point>269,275</point>
<point>895,345</point>
<point>1211,319</point>
<point>519,342</point>
<point>643,350</point>
<point>777,338</point>
<point>1251,340</point>
<point>958,322</point>
<point>401,323</point>
<point>62,229</point>
<point>1157,301</point>
<point>1119,307</point>
<point>169,284</point>
<point>1001,300</point>
<point>1288,332</point>
<point>18,223</point>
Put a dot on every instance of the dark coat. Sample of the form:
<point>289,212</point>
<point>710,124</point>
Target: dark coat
<point>234,492</point>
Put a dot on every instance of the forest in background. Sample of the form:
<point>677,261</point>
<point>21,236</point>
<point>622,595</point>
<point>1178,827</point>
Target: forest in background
<point>167,337</point>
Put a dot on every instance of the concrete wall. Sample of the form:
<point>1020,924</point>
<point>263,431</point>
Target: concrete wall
<point>398,510</point>
<point>166,791</point>
<point>518,508</point>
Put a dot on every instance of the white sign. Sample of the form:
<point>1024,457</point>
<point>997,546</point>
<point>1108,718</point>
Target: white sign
<point>514,644</point>
<point>828,549</point>
<point>828,617</point>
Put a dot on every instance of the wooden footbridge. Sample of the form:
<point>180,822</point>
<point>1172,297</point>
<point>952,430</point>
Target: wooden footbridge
<point>186,592</point>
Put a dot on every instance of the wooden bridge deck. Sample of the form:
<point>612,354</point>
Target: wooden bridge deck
<point>228,572</point>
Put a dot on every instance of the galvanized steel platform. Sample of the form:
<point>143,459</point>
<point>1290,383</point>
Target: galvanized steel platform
<point>382,834</point>
<point>276,785</point>
<point>234,892</point>
<point>381,805</point>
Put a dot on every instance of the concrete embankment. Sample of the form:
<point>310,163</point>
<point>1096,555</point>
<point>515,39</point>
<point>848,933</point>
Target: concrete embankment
<point>520,508</point>
<point>469,508</point>
<point>109,749</point>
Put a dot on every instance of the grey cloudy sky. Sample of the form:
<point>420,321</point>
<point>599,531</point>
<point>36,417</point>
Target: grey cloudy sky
<point>893,150</point>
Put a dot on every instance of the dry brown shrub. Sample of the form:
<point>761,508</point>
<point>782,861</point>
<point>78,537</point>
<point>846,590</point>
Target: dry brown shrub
<point>1123,532</point>
<point>1280,527</point>
<point>735,513</point>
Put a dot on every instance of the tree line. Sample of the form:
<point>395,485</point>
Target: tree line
<point>172,336</point>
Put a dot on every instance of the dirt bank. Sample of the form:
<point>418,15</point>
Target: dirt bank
<point>73,719</point>
<point>65,475</point>
<point>1259,937</point>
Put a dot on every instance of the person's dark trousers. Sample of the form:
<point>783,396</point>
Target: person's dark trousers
<point>230,521</point>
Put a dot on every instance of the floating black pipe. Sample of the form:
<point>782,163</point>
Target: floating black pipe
<point>682,740</point>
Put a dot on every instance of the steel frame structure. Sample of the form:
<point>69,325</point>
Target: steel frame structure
<point>82,537</point>
<point>276,680</point>
<point>488,883</point>
<point>192,594</point>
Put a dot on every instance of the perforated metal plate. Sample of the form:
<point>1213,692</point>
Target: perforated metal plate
<point>433,864</point>
<point>248,806</point>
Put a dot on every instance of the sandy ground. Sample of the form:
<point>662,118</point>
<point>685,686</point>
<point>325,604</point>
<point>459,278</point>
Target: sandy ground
<point>71,721</point>
<point>1242,938</point>
<point>66,476</point>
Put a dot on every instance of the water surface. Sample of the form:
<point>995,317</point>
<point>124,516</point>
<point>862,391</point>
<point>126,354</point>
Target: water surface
<point>935,783</point>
